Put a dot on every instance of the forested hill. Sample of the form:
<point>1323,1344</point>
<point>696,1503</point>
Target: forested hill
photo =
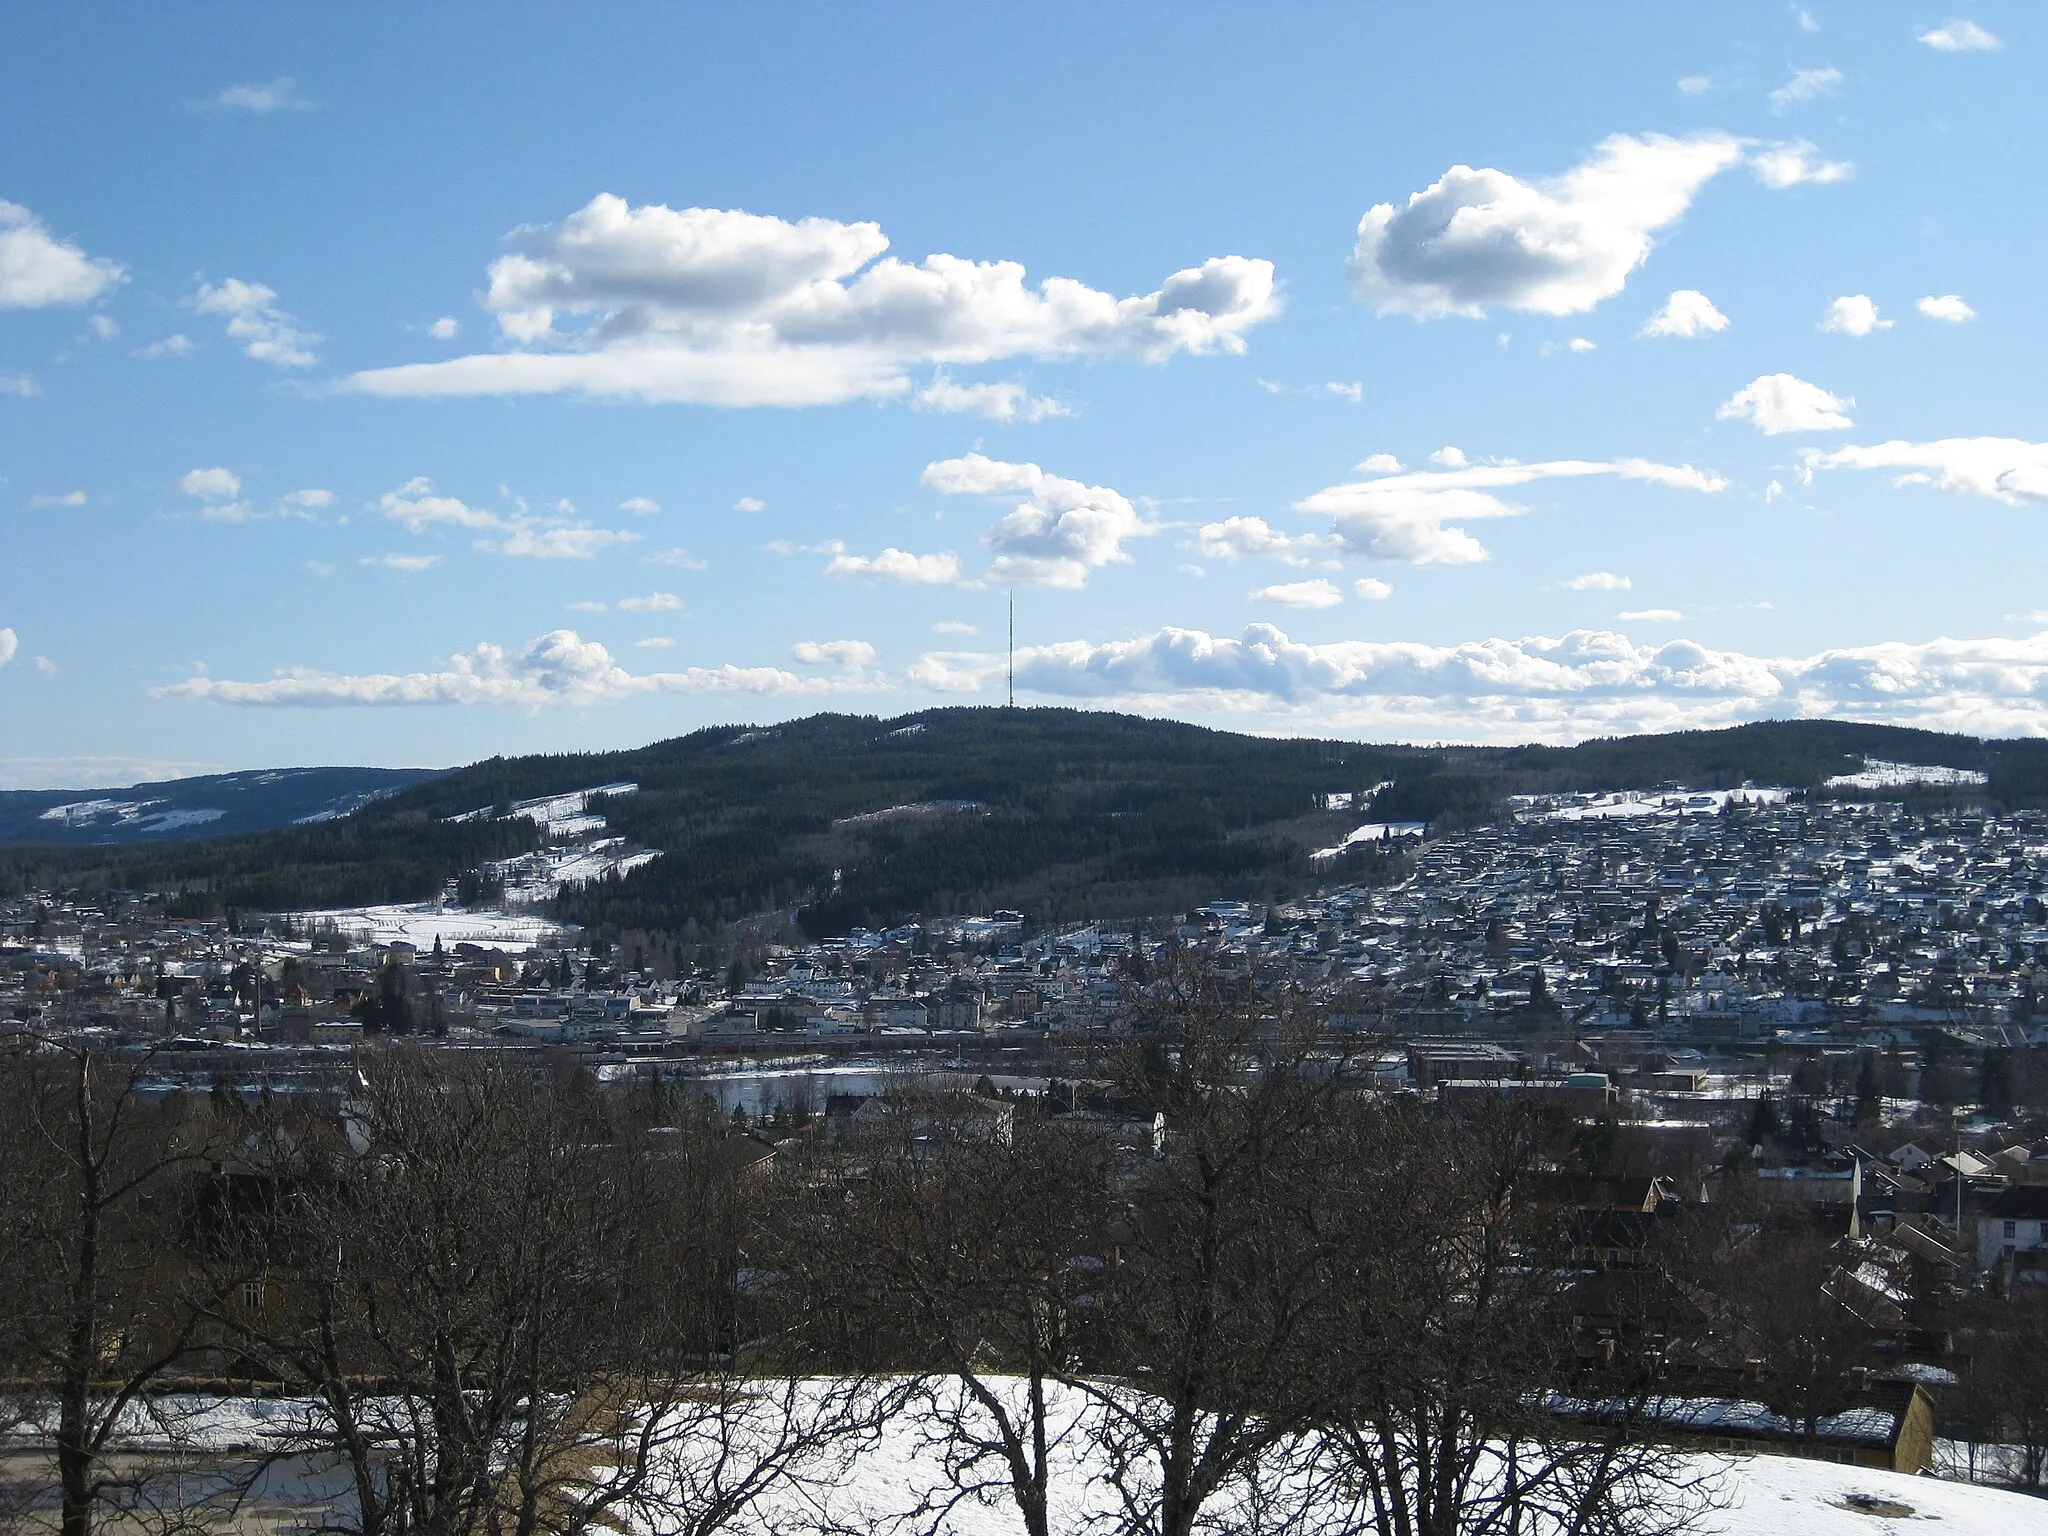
<point>1059,813</point>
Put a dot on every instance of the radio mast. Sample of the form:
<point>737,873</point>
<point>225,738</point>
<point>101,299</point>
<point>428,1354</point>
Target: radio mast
<point>1013,648</point>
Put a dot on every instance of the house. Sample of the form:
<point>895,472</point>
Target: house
<point>2012,1235</point>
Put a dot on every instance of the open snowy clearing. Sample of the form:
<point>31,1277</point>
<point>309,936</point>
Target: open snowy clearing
<point>1879,774</point>
<point>422,924</point>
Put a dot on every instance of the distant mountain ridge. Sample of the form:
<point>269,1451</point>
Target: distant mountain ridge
<point>212,805</point>
<point>835,818</point>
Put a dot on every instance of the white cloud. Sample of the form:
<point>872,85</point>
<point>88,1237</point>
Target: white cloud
<point>1005,401</point>
<point>170,346</point>
<point>1806,85</point>
<point>1959,35</point>
<point>1318,593</point>
<point>1598,581</point>
<point>1235,537</point>
<point>559,667</point>
<point>1057,535</point>
<point>47,667</point>
<point>749,504</point>
<point>681,558</point>
<point>38,270</point>
<point>1796,164</point>
<point>850,655</point>
<point>590,605</point>
<point>68,499</point>
<point>1947,306</point>
<point>279,95</point>
<point>1581,344</point>
<point>654,643</point>
<point>1695,85</point>
<point>715,306</point>
<point>10,642</point>
<point>1353,391</point>
<point>106,327</point>
<point>899,565</point>
<point>954,627</point>
<point>533,540</point>
<point>407,564</point>
<point>1854,314</point>
<point>1807,23</point>
<point>1380,464</point>
<point>1651,616</point>
<point>653,602</point>
<point>1481,238</point>
<point>1778,402</point>
<point>2006,469</point>
<point>415,505</point>
<point>1563,688</point>
<point>266,332</point>
<point>211,484</point>
<point>1444,458</point>
<point>640,506</point>
<point>1407,517</point>
<point>299,503</point>
<point>1688,312</point>
<point>23,385</point>
<point>447,328</point>
<point>1773,491</point>
<point>1372,589</point>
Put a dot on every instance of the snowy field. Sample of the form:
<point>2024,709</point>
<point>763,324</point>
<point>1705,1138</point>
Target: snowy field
<point>1633,803</point>
<point>128,813</point>
<point>430,920</point>
<point>871,1488</point>
<point>1879,774</point>
<point>1373,832</point>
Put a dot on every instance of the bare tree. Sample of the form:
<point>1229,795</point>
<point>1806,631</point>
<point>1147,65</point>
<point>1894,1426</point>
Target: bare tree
<point>91,1197</point>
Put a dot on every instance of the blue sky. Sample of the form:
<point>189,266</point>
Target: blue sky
<point>405,385</point>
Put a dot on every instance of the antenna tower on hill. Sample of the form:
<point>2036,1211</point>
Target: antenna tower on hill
<point>1013,648</point>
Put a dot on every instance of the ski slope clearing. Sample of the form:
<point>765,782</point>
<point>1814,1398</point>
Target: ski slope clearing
<point>1878,774</point>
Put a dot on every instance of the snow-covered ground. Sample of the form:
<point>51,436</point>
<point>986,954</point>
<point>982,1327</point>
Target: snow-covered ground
<point>420,925</point>
<point>128,813</point>
<point>887,1475</point>
<point>1373,832</point>
<point>1879,774</point>
<point>1635,802</point>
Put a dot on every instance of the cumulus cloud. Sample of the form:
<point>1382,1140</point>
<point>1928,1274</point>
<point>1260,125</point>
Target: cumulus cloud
<point>640,506</point>
<point>1005,401</point>
<point>1236,537</point>
<point>749,504</point>
<point>849,655</point>
<point>10,642</point>
<point>1806,85</point>
<point>415,505</point>
<point>1650,616</point>
<point>653,602</point>
<point>1778,402</point>
<point>681,558</point>
<point>898,565</point>
<point>266,332</point>
<point>408,564</point>
<point>2006,469</point>
<point>1060,532</point>
<point>1372,589</point>
<point>1566,687</point>
<point>68,499</point>
<point>23,385</point>
<point>533,540</point>
<point>1947,306</point>
<point>720,307</point>
<point>1477,239</point>
<point>447,328</point>
<point>170,346</point>
<point>1853,314</point>
<point>1795,164</point>
<point>1959,35</point>
<point>1688,312</point>
<point>1598,581</point>
<point>279,95</point>
<point>38,270</point>
<point>211,484</point>
<point>1408,517</point>
<point>558,668</point>
<point>1383,464</point>
<point>1318,593</point>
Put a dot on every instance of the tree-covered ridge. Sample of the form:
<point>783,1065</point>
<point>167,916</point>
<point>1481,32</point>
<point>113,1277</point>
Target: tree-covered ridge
<point>1061,813</point>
